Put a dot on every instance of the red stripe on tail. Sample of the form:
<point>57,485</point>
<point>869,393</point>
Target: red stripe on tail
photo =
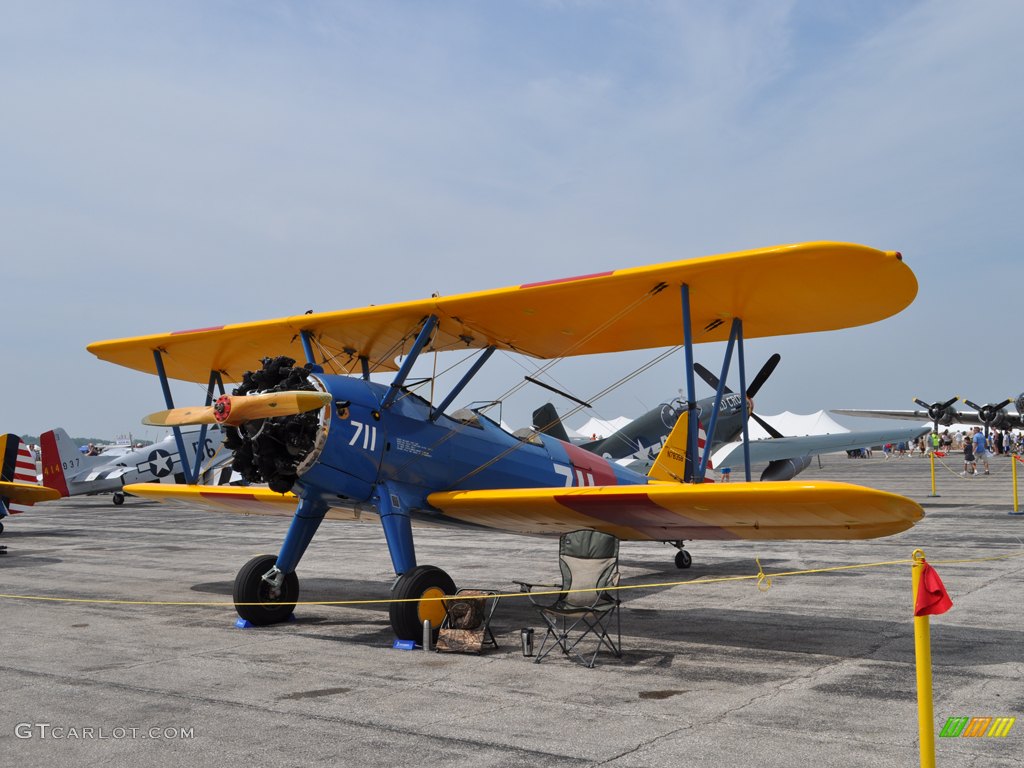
<point>53,472</point>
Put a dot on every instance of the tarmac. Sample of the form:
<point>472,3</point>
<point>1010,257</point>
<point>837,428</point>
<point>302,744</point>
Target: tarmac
<point>816,669</point>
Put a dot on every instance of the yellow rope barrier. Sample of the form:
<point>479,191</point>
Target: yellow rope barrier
<point>764,583</point>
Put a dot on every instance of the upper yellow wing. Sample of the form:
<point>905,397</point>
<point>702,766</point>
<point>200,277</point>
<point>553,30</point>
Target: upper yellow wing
<point>676,512</point>
<point>26,493</point>
<point>781,290</point>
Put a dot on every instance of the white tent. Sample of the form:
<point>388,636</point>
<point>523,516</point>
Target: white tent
<point>789,424</point>
<point>600,428</point>
<point>797,425</point>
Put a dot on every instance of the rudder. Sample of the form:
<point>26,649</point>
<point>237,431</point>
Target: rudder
<point>58,454</point>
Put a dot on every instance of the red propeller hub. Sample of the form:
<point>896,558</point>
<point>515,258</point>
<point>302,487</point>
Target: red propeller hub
<point>222,408</point>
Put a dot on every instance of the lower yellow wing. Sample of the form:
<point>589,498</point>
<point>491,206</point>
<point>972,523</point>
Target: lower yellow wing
<point>25,493</point>
<point>673,511</point>
<point>241,500</point>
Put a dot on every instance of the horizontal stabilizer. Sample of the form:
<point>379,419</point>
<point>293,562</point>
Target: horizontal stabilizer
<point>23,493</point>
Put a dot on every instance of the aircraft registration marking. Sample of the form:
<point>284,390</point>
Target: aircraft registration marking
<point>369,433</point>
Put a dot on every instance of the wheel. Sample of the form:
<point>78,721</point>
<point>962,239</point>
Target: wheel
<point>422,581</point>
<point>1,527</point>
<point>250,588</point>
<point>683,559</point>
<point>118,498</point>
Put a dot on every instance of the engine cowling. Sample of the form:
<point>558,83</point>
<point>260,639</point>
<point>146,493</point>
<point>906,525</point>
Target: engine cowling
<point>271,450</point>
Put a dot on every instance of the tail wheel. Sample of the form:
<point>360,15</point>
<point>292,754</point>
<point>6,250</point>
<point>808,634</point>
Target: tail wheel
<point>423,581</point>
<point>263,608</point>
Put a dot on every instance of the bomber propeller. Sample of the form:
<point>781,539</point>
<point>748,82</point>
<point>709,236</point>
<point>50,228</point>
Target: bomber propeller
<point>990,414</point>
<point>234,410</point>
<point>762,376</point>
<point>939,412</point>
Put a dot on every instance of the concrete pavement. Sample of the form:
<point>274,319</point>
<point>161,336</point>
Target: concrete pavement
<point>818,669</point>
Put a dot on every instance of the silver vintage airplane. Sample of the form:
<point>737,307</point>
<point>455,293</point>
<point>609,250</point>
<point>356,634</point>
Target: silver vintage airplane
<point>70,472</point>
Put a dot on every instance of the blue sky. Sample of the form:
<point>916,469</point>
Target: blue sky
<point>183,164</point>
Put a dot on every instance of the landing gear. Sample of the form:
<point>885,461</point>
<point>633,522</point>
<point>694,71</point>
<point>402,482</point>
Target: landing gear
<point>1,527</point>
<point>423,581</point>
<point>683,559</point>
<point>276,601</point>
<point>118,498</point>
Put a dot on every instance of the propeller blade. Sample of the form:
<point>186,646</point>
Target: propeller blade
<point>251,407</point>
<point>767,427</point>
<point>1003,404</point>
<point>180,417</point>
<point>975,406</point>
<point>709,378</point>
<point>238,409</point>
<point>923,404</point>
<point>763,374</point>
<point>951,400</point>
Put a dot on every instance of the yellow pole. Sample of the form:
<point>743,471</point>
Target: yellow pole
<point>932,457</point>
<point>1013,461</point>
<point>923,654</point>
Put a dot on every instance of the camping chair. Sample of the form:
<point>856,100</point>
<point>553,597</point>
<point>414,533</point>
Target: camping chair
<point>589,560</point>
<point>466,627</point>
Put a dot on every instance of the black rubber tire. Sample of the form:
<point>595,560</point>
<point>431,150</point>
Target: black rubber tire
<point>250,588</point>
<point>407,618</point>
<point>118,498</point>
<point>1,527</point>
<point>683,559</point>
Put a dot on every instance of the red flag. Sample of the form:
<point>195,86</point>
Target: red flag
<point>932,597</point>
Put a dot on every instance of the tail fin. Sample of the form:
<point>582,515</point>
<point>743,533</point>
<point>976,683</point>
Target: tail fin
<point>671,464</point>
<point>60,456</point>
<point>546,420</point>
<point>9,445</point>
<point>17,465</point>
<point>674,462</point>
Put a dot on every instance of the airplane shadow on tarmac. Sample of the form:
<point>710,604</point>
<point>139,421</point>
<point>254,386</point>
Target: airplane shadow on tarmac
<point>665,633</point>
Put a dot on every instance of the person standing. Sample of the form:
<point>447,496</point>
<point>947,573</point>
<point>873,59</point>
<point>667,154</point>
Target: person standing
<point>980,449</point>
<point>969,465</point>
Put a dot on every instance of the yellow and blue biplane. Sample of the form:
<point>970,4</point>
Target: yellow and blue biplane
<point>343,435</point>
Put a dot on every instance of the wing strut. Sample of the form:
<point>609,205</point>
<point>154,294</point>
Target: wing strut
<point>403,373</point>
<point>719,392</point>
<point>743,388</point>
<point>691,399</point>
<point>215,380</point>
<point>463,382</point>
<point>307,347</point>
<point>695,472</point>
<point>178,440</point>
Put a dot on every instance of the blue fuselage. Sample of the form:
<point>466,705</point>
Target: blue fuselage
<point>417,451</point>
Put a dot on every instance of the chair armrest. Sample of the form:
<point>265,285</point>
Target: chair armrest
<point>526,586</point>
